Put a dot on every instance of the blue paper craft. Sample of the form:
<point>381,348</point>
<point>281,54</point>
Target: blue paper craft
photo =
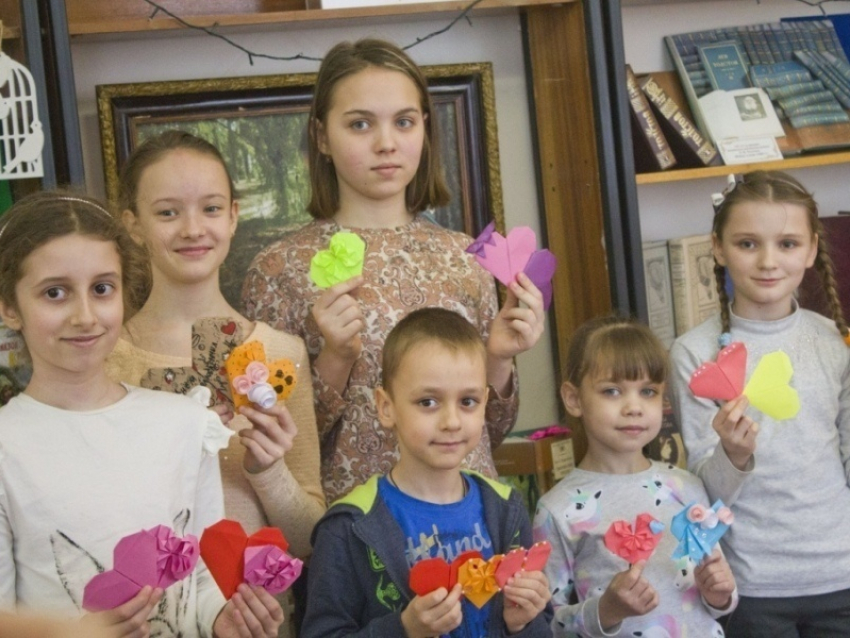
<point>699,528</point>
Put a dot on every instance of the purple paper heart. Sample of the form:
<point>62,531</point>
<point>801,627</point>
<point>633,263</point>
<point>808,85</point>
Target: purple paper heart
<point>271,568</point>
<point>477,247</point>
<point>540,269</point>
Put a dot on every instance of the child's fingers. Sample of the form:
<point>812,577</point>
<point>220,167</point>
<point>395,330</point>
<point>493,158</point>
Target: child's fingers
<point>528,293</point>
<point>131,618</point>
<point>633,575</point>
<point>261,611</point>
<point>327,298</point>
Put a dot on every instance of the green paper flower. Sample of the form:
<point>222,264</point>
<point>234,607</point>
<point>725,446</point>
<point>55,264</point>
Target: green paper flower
<point>340,262</point>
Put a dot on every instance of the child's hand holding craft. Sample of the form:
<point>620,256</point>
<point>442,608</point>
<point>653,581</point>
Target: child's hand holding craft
<point>434,614</point>
<point>628,594</point>
<point>526,595</point>
<point>340,320</point>
<point>737,431</point>
<point>715,581</point>
<point>271,437</point>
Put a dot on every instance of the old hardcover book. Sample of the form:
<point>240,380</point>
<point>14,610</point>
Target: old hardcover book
<point>725,65</point>
<point>691,148</point>
<point>692,277</point>
<point>837,236</point>
<point>651,149</point>
<point>659,291</point>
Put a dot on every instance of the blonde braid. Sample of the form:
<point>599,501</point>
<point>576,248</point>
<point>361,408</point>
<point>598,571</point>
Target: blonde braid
<point>826,270</point>
<point>720,279</point>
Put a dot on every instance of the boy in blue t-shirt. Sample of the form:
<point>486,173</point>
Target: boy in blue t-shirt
<point>433,398</point>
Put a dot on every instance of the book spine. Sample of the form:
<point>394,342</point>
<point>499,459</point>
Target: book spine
<point>762,77</point>
<point>647,124</point>
<point>818,119</point>
<point>815,109</point>
<point>794,36</point>
<point>790,90</point>
<point>772,43</point>
<point>842,68</point>
<point>743,36</point>
<point>827,74</point>
<point>670,111</point>
<point>762,48</point>
<point>819,97</point>
<point>659,291</point>
<point>676,47</point>
<point>783,42</point>
<point>692,280</point>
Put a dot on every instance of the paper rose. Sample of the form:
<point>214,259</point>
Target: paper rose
<point>271,568</point>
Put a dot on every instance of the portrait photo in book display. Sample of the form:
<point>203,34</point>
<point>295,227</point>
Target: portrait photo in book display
<point>260,125</point>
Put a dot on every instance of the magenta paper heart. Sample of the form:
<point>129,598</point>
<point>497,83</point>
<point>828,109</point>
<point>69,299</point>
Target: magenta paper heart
<point>155,557</point>
<point>507,256</point>
<point>540,269</point>
<point>479,246</point>
<point>271,568</point>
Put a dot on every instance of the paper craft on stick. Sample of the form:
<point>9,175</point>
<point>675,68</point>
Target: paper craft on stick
<point>342,260</point>
<point>699,529</point>
<point>768,388</point>
<point>233,557</point>
<point>253,380</point>
<point>155,557</point>
<point>634,544</point>
<point>506,257</point>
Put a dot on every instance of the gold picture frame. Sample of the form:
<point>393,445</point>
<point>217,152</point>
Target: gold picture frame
<point>259,124</point>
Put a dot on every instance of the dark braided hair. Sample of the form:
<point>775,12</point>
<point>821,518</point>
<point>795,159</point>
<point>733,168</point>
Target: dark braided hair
<point>777,187</point>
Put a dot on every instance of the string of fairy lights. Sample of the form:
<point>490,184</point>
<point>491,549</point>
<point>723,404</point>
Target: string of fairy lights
<point>157,8</point>
<point>463,15</point>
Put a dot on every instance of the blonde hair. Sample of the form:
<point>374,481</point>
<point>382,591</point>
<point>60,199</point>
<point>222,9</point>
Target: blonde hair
<point>445,327</point>
<point>778,188</point>
<point>427,189</point>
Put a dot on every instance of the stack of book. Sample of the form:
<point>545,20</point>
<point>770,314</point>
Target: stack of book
<point>681,291</point>
<point>800,65</point>
<point>663,132</point>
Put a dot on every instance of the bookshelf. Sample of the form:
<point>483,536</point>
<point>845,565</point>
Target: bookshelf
<point>677,202</point>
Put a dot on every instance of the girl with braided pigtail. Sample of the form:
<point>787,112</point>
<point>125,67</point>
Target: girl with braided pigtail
<point>786,481</point>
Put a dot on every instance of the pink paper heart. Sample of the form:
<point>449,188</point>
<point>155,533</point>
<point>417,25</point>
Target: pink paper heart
<point>108,590</point>
<point>508,256</point>
<point>722,379</point>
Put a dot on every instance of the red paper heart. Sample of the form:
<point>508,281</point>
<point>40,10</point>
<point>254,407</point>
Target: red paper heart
<point>510,565</point>
<point>229,328</point>
<point>723,379</point>
<point>519,559</point>
<point>429,575</point>
<point>223,550</point>
<point>632,545</point>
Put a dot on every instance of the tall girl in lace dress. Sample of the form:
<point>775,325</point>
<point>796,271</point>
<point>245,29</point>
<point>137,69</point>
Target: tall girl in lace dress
<point>85,461</point>
<point>786,481</point>
<point>374,166</point>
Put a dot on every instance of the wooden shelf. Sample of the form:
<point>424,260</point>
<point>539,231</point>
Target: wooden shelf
<point>115,24</point>
<point>804,161</point>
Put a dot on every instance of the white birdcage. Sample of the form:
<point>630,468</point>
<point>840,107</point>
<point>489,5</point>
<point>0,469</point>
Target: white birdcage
<point>21,135</point>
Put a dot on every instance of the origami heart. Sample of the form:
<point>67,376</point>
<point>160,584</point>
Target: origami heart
<point>519,559</point>
<point>429,575</point>
<point>633,545</point>
<point>280,375</point>
<point>699,529</point>
<point>506,257</point>
<point>768,388</point>
<point>223,548</point>
<point>477,576</point>
<point>155,557</point>
<point>723,379</point>
<point>271,568</point>
<point>432,573</point>
<point>540,269</point>
<point>340,262</point>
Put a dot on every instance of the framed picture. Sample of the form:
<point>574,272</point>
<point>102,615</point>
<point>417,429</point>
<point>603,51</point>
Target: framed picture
<point>260,126</point>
